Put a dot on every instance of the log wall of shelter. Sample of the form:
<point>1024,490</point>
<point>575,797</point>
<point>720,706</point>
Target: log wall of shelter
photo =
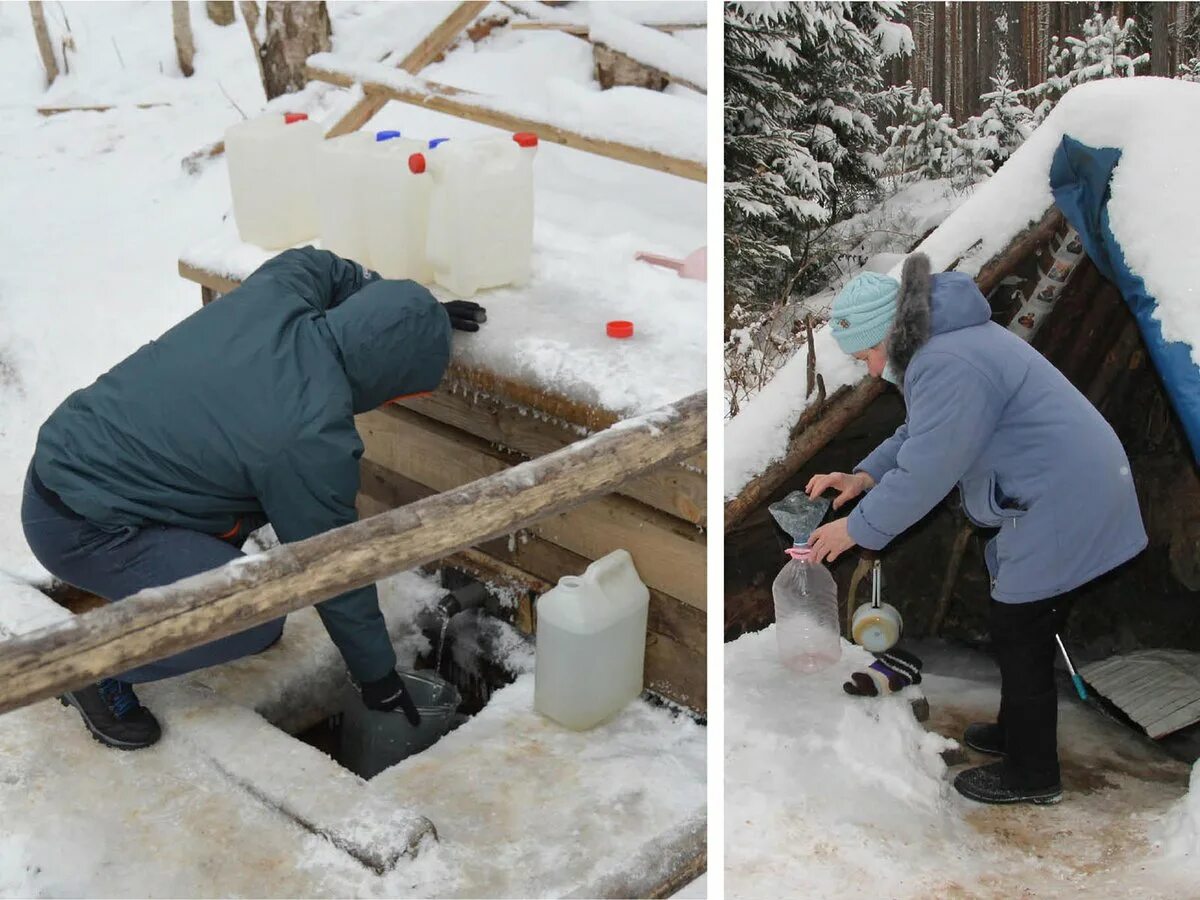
<point>959,44</point>
<point>1092,338</point>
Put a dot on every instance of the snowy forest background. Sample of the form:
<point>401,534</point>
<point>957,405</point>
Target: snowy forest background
<point>853,129</point>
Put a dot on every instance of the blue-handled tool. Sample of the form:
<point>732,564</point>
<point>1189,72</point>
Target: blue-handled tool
<point>1075,676</point>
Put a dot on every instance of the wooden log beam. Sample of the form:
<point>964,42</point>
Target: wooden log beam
<point>161,621</point>
<point>677,491</point>
<point>434,44</point>
<point>812,435</point>
<point>582,29</point>
<point>466,105</point>
<point>669,554</point>
<point>843,408</point>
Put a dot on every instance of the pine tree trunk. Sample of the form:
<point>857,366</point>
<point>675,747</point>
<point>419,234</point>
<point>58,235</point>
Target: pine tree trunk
<point>938,80</point>
<point>970,40</point>
<point>1014,42</point>
<point>295,31</point>
<point>250,15</point>
<point>1160,53</point>
<point>185,47</point>
<point>922,16</point>
<point>45,48</point>
<point>220,12</point>
<point>987,45</point>
<point>955,92</point>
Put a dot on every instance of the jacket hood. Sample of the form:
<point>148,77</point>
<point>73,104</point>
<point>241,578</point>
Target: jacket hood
<point>393,338</point>
<point>931,304</point>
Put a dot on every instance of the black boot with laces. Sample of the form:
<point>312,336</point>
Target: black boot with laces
<point>113,715</point>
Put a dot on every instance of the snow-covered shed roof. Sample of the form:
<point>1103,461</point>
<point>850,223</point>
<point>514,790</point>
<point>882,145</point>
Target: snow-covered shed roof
<point>1155,192</point>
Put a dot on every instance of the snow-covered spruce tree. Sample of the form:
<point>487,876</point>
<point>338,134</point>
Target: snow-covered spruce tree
<point>970,163</point>
<point>924,144</point>
<point>1103,52</point>
<point>1005,122</point>
<point>802,87</point>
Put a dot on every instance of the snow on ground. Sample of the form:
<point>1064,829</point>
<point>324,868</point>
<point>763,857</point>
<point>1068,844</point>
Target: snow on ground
<point>758,434</point>
<point>829,796</point>
<point>97,210</point>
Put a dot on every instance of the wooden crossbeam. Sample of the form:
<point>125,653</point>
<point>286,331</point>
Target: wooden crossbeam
<point>422,55</point>
<point>467,105</point>
<point>161,621</point>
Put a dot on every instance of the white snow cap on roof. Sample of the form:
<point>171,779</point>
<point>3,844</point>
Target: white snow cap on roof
<point>1155,123</point>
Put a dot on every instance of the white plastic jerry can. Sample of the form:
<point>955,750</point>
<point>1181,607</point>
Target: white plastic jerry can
<point>339,171</point>
<point>591,643</point>
<point>394,199</point>
<point>481,213</point>
<point>271,164</point>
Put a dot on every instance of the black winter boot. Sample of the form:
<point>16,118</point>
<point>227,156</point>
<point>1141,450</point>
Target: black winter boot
<point>992,784</point>
<point>985,737</point>
<point>113,715</point>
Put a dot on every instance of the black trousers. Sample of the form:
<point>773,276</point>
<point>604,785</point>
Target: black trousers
<point>1023,641</point>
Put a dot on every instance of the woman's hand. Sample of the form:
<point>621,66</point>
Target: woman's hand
<point>831,541</point>
<point>849,486</point>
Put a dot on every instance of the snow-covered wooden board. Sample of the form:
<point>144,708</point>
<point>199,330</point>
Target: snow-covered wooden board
<point>1158,689</point>
<point>646,134</point>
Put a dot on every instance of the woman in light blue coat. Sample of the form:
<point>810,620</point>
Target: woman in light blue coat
<point>1032,458</point>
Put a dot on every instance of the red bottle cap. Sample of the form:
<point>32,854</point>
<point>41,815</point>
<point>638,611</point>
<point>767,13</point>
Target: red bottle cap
<point>416,163</point>
<point>525,139</point>
<point>289,118</point>
<point>619,329</point>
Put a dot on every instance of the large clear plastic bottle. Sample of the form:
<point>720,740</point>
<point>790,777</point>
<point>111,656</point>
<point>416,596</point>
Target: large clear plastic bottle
<point>806,614</point>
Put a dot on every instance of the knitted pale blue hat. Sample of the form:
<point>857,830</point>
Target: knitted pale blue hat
<point>863,311</point>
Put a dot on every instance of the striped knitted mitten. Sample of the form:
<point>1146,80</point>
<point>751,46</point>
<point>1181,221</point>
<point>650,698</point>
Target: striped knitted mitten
<point>892,671</point>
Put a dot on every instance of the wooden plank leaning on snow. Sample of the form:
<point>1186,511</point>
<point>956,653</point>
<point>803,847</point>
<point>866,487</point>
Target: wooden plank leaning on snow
<point>819,424</point>
<point>383,81</point>
<point>166,620</point>
<point>434,44</point>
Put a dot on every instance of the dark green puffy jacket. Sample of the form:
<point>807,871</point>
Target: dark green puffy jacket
<point>244,411</point>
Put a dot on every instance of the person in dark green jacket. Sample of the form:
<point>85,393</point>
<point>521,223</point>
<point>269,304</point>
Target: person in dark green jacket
<point>241,414</point>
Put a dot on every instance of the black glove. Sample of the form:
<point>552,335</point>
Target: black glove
<point>892,671</point>
<point>465,315</point>
<point>388,694</point>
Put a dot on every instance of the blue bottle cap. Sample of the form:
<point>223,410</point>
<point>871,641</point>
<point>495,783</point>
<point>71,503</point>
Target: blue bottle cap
<point>433,142</point>
<point>386,135</point>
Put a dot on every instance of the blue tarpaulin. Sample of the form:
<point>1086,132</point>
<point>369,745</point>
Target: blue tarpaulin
<point>1079,178</point>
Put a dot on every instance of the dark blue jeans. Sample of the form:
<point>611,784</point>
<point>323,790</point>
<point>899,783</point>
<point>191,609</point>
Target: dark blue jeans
<point>114,563</point>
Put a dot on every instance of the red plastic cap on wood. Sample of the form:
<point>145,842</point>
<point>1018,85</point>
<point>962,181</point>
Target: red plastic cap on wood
<point>525,139</point>
<point>416,163</point>
<point>289,118</point>
<point>620,329</point>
